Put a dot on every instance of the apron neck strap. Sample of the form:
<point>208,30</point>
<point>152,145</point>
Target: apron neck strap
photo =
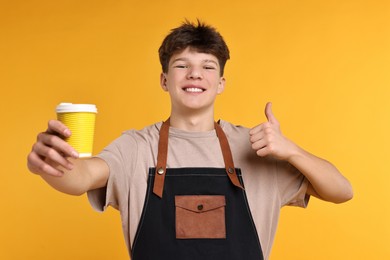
<point>161,166</point>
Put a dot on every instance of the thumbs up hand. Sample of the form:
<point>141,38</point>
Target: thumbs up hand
<point>267,139</point>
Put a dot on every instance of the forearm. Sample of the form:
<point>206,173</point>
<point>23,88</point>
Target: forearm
<point>78,180</point>
<point>326,182</point>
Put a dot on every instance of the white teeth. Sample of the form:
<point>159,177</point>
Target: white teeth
<point>194,90</point>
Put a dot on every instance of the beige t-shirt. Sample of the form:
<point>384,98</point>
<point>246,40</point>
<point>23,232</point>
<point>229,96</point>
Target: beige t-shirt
<point>269,184</point>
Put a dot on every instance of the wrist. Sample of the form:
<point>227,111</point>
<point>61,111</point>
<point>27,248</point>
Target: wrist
<point>296,154</point>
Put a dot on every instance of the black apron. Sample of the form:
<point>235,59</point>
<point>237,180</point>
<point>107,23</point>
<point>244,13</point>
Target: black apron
<point>195,213</point>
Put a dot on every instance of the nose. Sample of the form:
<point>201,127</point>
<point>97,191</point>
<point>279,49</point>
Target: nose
<point>194,73</point>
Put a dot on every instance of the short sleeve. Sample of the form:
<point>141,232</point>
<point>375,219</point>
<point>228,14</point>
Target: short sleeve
<point>120,157</point>
<point>292,185</point>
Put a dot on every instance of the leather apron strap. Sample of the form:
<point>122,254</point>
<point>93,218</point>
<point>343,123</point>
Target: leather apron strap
<point>161,166</point>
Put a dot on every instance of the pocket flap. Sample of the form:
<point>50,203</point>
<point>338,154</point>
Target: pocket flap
<point>200,203</point>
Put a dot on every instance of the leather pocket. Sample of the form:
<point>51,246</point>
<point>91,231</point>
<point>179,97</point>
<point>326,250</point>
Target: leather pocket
<point>200,216</point>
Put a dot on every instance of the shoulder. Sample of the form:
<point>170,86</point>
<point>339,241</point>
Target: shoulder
<point>147,134</point>
<point>130,140</point>
<point>232,128</point>
<point>147,130</point>
<point>235,132</point>
<point>238,137</point>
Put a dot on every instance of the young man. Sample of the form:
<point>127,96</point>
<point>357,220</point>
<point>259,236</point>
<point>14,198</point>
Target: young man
<point>191,188</point>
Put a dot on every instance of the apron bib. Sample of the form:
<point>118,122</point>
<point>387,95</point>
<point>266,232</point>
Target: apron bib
<point>195,213</point>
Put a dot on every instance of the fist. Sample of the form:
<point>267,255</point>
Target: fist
<point>267,139</point>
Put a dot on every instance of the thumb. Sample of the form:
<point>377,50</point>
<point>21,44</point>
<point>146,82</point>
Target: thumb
<point>268,113</point>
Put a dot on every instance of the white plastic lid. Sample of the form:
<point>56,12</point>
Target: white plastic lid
<point>70,107</point>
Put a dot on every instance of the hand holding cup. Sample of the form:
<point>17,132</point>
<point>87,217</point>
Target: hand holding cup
<point>51,151</point>
<point>70,136</point>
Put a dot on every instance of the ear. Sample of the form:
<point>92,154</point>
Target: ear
<point>163,81</point>
<point>221,85</point>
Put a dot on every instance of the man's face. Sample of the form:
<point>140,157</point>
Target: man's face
<point>193,81</point>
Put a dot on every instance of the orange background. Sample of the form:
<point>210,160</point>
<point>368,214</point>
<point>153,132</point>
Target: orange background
<point>324,64</point>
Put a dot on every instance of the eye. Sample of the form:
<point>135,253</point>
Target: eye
<point>181,66</point>
<point>209,67</point>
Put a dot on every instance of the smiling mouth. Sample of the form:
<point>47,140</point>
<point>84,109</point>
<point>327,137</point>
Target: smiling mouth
<point>194,90</point>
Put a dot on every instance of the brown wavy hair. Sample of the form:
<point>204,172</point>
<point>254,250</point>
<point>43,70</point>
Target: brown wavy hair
<point>199,37</point>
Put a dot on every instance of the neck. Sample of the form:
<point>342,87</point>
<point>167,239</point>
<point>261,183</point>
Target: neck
<point>196,122</point>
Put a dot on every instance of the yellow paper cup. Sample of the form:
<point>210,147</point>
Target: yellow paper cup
<point>80,119</point>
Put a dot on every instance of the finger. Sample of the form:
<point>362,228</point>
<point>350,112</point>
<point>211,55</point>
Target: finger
<point>260,144</point>
<point>264,127</point>
<point>268,113</point>
<point>52,155</point>
<point>256,136</point>
<point>261,147</point>
<point>58,144</point>
<point>57,127</point>
<point>38,166</point>
<point>255,130</point>
<point>263,151</point>
<point>258,128</point>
